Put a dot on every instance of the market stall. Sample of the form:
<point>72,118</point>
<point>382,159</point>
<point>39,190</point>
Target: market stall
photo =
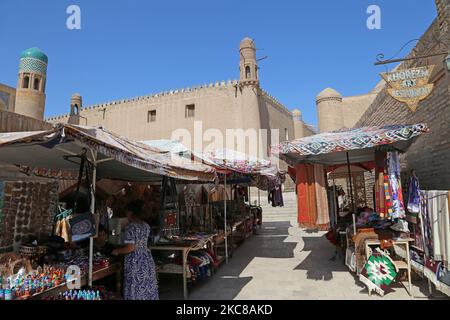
<point>94,153</point>
<point>374,237</point>
<point>246,171</point>
<point>220,213</point>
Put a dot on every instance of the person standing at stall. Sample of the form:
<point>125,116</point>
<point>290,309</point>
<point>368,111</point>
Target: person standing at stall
<point>139,272</point>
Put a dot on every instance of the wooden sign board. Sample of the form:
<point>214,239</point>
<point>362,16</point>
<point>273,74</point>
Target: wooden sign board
<point>409,86</point>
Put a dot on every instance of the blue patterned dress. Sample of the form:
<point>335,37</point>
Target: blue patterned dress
<point>139,273</point>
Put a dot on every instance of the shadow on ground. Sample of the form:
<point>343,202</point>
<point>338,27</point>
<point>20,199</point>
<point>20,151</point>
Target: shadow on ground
<point>226,283</point>
<point>322,259</point>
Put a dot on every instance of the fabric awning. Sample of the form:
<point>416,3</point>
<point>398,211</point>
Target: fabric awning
<point>331,148</point>
<point>118,157</point>
<point>238,166</point>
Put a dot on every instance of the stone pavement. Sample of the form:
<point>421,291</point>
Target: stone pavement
<point>285,262</point>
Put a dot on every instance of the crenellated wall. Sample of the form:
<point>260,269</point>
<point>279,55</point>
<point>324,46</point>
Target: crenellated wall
<point>221,105</point>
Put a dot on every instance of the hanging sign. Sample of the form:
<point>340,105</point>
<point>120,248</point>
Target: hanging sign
<point>409,86</point>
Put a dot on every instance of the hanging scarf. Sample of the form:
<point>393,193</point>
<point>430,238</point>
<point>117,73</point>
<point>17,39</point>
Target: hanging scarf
<point>397,205</point>
<point>414,196</point>
<point>381,185</point>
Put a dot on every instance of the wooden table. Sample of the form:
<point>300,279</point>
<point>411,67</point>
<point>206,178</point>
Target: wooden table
<point>114,268</point>
<point>400,264</point>
<point>185,249</point>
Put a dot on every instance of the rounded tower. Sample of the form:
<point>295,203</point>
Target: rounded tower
<point>329,110</point>
<point>76,103</point>
<point>297,115</point>
<point>298,124</point>
<point>30,91</point>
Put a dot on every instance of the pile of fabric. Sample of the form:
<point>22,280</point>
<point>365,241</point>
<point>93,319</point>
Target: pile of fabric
<point>201,264</point>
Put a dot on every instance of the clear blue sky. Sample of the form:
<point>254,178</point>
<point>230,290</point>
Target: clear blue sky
<point>137,47</point>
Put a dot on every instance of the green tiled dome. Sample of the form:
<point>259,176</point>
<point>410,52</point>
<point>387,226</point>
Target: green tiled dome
<point>35,53</point>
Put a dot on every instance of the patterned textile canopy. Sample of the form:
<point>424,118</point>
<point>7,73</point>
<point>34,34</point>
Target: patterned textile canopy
<point>227,159</point>
<point>119,158</point>
<point>330,148</point>
<point>240,167</point>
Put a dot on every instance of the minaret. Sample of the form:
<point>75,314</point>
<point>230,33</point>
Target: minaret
<point>30,91</point>
<point>250,94</point>
<point>76,103</point>
<point>247,63</point>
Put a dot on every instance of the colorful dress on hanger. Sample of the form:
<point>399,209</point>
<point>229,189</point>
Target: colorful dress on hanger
<point>139,273</point>
<point>398,206</point>
<point>414,196</point>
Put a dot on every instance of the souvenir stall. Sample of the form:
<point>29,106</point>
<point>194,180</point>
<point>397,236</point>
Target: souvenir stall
<point>219,214</point>
<point>377,236</point>
<point>243,171</point>
<point>93,153</point>
<point>428,214</point>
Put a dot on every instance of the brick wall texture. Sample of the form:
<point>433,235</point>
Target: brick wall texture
<point>429,155</point>
<point>29,208</point>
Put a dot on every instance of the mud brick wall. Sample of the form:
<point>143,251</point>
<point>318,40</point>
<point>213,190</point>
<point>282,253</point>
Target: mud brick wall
<point>28,211</point>
<point>13,122</point>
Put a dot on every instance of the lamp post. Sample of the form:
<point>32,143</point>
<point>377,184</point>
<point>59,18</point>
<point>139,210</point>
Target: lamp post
<point>447,63</point>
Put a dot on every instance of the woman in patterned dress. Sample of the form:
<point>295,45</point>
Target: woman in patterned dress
<point>139,272</point>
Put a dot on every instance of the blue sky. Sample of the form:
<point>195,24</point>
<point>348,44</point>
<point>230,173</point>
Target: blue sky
<point>137,47</point>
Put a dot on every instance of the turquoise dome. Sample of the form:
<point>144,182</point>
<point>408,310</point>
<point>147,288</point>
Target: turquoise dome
<point>35,53</point>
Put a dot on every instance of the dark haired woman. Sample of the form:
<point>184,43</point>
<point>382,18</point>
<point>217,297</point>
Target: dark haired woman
<point>139,272</point>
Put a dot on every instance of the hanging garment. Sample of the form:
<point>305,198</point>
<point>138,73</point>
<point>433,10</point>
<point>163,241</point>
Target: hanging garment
<point>306,194</point>
<point>435,218</point>
<point>380,195</point>
<point>425,220</point>
<point>332,206</point>
<point>414,196</point>
<point>275,196</point>
<point>323,215</point>
<point>438,202</point>
<point>395,186</point>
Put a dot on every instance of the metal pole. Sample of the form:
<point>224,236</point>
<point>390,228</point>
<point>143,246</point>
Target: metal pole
<point>91,239</point>
<point>334,203</point>
<point>350,180</point>
<point>225,221</point>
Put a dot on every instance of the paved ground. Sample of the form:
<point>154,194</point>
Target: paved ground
<point>284,262</point>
